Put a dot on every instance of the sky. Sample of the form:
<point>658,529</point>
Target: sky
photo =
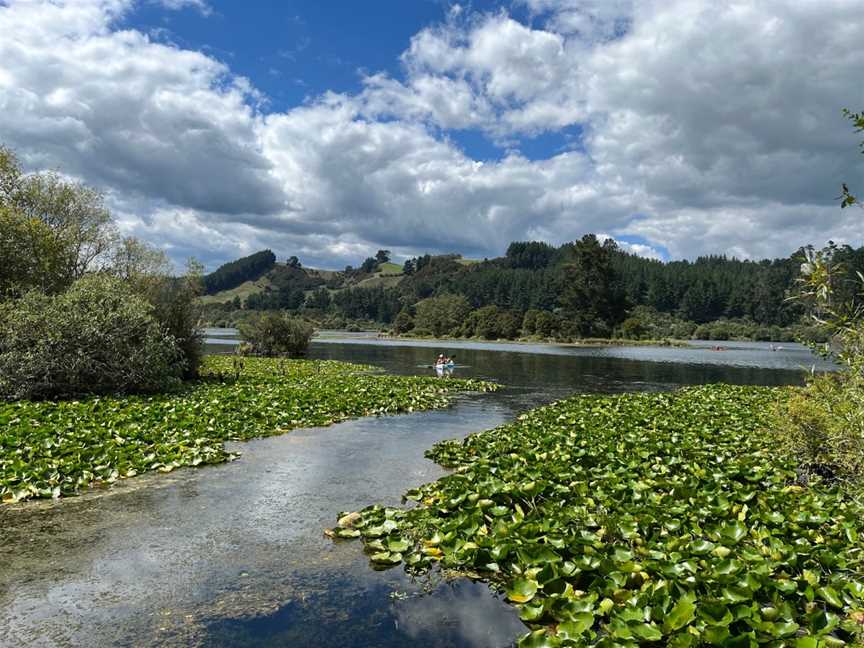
<point>331,129</point>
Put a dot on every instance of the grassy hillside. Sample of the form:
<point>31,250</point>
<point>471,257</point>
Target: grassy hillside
<point>242,291</point>
<point>389,275</point>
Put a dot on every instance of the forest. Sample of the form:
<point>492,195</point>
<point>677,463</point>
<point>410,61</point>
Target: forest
<point>584,289</point>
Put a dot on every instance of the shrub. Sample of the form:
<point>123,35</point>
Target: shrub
<point>823,425</point>
<point>633,328</point>
<point>272,333</point>
<point>403,323</point>
<point>98,337</point>
<point>176,309</point>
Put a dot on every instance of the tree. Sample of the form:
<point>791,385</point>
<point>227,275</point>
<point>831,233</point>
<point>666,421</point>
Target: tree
<point>442,315</point>
<point>592,295</point>
<point>530,255</point>
<point>369,265</point>
<point>403,323</point>
<point>382,256</point>
<point>29,253</point>
<point>136,260</point>
<point>232,274</point>
<point>271,334</point>
<point>82,233</point>
<point>293,262</point>
<point>97,337</point>
<point>319,300</point>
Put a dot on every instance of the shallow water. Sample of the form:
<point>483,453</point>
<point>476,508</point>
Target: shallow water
<point>233,555</point>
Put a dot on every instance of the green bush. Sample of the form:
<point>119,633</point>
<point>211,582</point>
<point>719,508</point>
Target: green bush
<point>823,425</point>
<point>98,337</point>
<point>403,323</point>
<point>272,333</point>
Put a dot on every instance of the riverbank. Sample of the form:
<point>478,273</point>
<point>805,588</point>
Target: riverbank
<point>585,342</point>
<point>636,519</point>
<point>54,449</point>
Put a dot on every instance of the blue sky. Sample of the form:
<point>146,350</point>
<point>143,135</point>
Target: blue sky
<point>294,51</point>
<point>329,130</point>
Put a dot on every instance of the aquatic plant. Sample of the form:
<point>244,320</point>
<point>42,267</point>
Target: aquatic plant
<point>639,519</point>
<point>57,448</point>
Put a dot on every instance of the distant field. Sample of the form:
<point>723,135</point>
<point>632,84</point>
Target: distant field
<point>379,281</point>
<point>390,268</point>
<point>468,261</point>
<point>242,291</point>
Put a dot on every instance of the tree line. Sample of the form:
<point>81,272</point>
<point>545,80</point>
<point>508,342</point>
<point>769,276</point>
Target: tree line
<point>586,288</point>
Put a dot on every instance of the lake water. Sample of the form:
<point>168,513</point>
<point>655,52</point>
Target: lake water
<point>234,555</point>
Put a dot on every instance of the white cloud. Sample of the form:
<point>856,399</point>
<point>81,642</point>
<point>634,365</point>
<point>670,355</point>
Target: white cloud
<point>708,127</point>
<point>175,5</point>
<point>126,113</point>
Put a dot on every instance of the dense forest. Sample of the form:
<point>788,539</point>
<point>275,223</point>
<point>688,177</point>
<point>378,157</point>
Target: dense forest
<point>236,272</point>
<point>587,288</point>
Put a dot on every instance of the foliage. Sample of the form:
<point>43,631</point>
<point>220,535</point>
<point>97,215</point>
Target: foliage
<point>231,275</point>
<point>176,308</point>
<point>847,198</point>
<point>271,334</point>
<point>824,427</point>
<point>49,449</point>
<point>76,234</point>
<point>530,255</point>
<point>378,304</point>
<point>592,294</point>
<point>442,315</point>
<point>638,519</point>
<point>97,337</point>
<point>492,323</point>
<point>319,300</point>
<point>31,258</point>
<point>824,424</point>
<point>403,323</point>
<point>536,276</point>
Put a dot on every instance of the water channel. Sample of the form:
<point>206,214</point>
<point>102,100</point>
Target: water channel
<point>234,555</point>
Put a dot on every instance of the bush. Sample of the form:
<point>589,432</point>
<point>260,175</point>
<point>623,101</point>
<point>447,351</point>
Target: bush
<point>98,337</point>
<point>403,323</point>
<point>271,334</point>
<point>177,311</point>
<point>823,425</point>
<point>443,315</point>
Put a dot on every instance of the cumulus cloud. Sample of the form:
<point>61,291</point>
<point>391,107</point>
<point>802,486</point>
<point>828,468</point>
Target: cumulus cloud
<point>706,128</point>
<point>127,113</point>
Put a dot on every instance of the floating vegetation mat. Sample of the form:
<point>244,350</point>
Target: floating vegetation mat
<point>639,519</point>
<point>49,449</point>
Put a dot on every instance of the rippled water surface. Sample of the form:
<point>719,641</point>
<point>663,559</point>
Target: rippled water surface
<point>233,555</point>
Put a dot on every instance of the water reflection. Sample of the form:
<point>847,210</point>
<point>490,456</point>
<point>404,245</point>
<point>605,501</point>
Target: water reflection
<point>233,555</point>
<point>349,613</point>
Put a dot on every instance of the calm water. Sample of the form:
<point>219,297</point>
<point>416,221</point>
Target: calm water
<point>234,555</point>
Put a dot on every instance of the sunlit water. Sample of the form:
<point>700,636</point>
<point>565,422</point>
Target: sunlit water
<point>234,555</point>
